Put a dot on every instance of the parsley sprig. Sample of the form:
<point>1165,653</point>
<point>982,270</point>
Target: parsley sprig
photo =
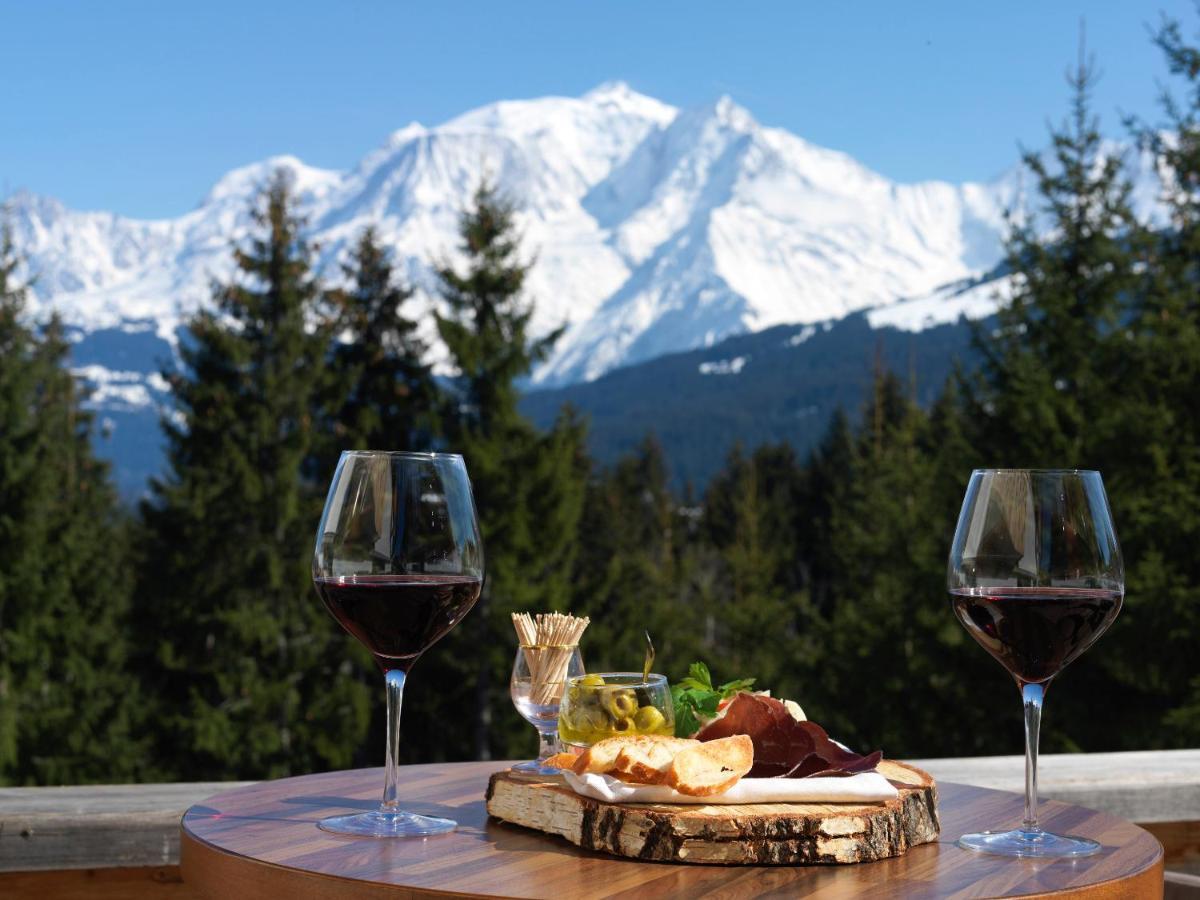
<point>695,697</point>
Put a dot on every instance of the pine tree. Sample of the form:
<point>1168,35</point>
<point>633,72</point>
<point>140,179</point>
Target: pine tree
<point>256,680</point>
<point>1156,469</point>
<point>67,698</point>
<point>635,567</point>
<point>1057,387</point>
<point>528,486</point>
<point>1045,386</point>
<point>890,525</point>
<point>388,398</point>
<point>764,619</point>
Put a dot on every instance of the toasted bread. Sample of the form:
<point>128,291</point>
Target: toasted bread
<point>602,756</point>
<point>645,758</point>
<point>712,767</point>
<point>560,761</point>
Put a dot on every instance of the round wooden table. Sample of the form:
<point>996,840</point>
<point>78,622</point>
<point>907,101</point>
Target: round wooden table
<point>262,841</point>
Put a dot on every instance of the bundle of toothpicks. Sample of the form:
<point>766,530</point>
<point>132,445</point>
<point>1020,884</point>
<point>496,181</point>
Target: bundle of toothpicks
<point>548,642</point>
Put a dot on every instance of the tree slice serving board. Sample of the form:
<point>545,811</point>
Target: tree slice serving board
<point>765,833</point>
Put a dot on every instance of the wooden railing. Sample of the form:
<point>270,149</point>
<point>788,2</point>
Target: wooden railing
<point>123,840</point>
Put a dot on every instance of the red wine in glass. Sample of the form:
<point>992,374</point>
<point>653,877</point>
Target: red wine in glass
<point>398,562</point>
<point>1035,631</point>
<point>1035,576</point>
<point>398,617</point>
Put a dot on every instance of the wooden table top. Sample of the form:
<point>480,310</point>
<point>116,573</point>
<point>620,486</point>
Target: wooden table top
<point>262,841</point>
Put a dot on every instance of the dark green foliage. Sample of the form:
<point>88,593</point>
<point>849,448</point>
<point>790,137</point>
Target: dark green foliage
<point>528,488</point>
<point>67,699</point>
<point>386,390</point>
<point>255,679</point>
<point>639,567</point>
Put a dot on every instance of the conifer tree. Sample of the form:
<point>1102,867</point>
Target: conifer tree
<point>255,679</point>
<point>390,397</point>
<point>528,485</point>
<point>1045,391</point>
<point>635,568</point>
<point>1156,471</point>
<point>1056,381</point>
<point>891,525</point>
<point>751,518</point>
<point>67,698</point>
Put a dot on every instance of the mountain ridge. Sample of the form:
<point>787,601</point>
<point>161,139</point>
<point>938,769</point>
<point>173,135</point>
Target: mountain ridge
<point>656,229</point>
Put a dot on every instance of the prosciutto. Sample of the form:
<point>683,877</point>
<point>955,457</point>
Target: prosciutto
<point>783,747</point>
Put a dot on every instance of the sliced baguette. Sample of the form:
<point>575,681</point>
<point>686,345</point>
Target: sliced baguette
<point>599,757</point>
<point>646,758</point>
<point>712,767</point>
<point>560,761</point>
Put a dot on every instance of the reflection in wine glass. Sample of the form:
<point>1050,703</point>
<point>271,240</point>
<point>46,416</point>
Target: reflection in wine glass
<point>398,563</point>
<point>1035,576</point>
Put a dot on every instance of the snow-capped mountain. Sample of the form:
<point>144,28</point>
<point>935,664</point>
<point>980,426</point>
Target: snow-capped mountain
<point>654,229</point>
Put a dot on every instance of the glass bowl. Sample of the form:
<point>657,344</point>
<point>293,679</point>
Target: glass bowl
<point>606,704</point>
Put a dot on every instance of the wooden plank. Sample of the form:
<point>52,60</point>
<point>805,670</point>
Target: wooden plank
<point>263,841</point>
<point>143,882</point>
<point>95,826</point>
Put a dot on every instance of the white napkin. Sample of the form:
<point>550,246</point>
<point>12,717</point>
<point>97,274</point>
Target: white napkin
<point>865,787</point>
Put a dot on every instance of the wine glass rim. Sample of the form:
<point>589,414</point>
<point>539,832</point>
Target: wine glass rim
<point>634,679</point>
<point>404,454</point>
<point>1038,471</point>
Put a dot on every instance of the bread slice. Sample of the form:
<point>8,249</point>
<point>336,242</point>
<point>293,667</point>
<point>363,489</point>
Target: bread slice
<point>712,767</point>
<point>601,756</point>
<point>645,758</point>
<point>560,761</point>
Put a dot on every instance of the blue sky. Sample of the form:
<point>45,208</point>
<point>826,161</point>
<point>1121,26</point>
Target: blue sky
<point>139,107</point>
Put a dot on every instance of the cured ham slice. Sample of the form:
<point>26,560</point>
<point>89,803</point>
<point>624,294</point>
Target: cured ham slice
<point>784,747</point>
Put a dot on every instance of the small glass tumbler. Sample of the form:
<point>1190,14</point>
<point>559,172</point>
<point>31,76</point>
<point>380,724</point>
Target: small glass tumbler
<point>539,677</point>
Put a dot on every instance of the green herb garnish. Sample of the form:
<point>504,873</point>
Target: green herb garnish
<point>695,697</point>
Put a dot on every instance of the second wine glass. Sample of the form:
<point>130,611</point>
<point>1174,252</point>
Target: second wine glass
<point>1035,576</point>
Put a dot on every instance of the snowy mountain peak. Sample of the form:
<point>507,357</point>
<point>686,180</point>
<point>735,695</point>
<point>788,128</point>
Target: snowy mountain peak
<point>654,229</point>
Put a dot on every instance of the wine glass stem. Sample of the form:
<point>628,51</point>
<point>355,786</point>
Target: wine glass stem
<point>549,744</point>
<point>1032,695</point>
<point>391,763</point>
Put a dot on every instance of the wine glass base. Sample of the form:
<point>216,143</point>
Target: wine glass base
<point>533,767</point>
<point>380,824</point>
<point>1037,844</point>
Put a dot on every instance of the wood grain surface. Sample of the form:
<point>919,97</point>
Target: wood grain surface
<point>263,841</point>
<point>774,833</point>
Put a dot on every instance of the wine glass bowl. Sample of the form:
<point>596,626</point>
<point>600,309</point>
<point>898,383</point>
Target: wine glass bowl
<point>398,562</point>
<point>539,700</point>
<point>1035,577</point>
<point>603,705</point>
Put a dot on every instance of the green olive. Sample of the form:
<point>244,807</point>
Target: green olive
<point>588,719</point>
<point>591,680</point>
<point>649,719</point>
<point>621,703</point>
<point>623,725</point>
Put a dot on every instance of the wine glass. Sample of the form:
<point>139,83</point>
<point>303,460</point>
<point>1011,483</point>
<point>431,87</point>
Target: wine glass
<point>538,699</point>
<point>398,563</point>
<point>1035,576</point>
